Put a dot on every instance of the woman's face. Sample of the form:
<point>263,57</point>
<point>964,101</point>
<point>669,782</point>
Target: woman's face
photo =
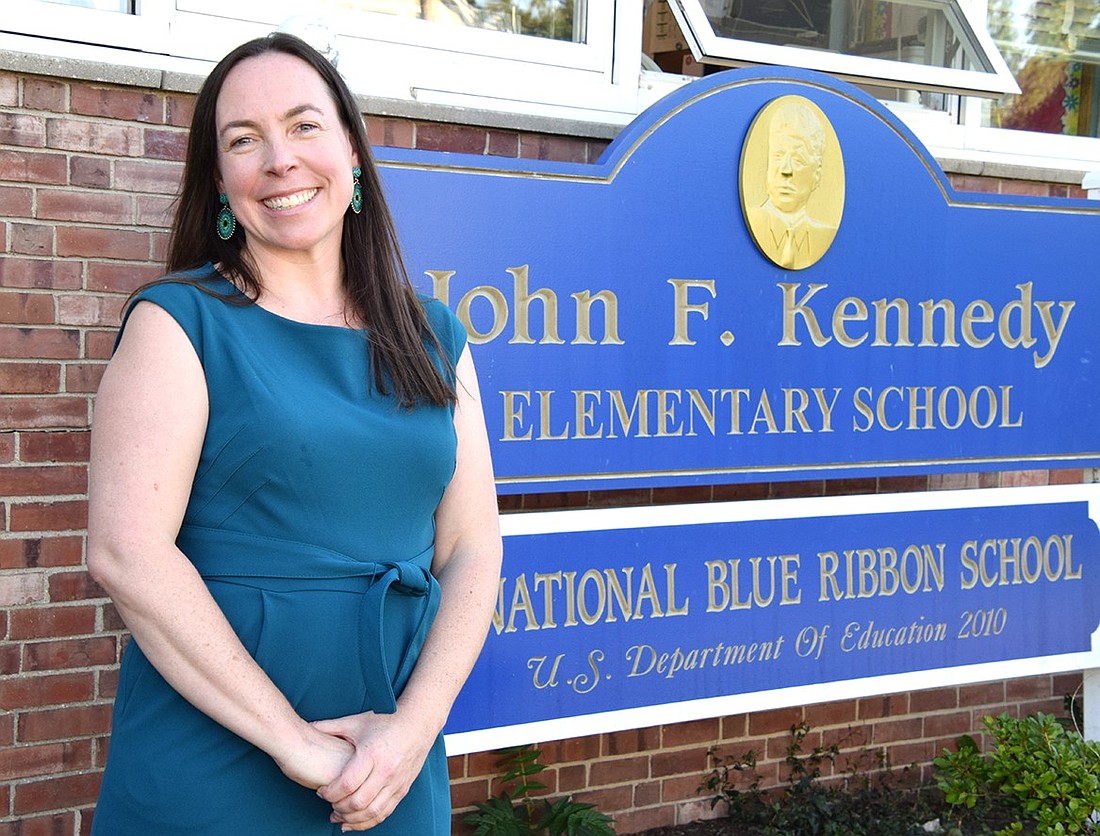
<point>284,157</point>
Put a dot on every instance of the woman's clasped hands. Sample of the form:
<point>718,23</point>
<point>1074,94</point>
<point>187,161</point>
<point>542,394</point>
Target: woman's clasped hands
<point>382,755</point>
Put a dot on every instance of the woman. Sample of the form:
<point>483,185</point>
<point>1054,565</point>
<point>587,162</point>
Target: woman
<point>286,441</point>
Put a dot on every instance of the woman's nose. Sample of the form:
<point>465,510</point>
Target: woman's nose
<point>280,157</point>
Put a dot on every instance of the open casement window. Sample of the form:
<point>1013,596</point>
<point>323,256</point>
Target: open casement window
<point>916,44</point>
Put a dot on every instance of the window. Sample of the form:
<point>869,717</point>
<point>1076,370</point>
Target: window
<point>1053,48</point>
<point>921,44</point>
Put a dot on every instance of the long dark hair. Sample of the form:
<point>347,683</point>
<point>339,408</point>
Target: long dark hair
<point>375,278</point>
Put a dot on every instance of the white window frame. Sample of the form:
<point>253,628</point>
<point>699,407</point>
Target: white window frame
<point>995,79</point>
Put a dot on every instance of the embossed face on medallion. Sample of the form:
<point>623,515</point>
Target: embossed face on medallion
<point>792,182</point>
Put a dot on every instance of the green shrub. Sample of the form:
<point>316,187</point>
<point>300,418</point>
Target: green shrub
<point>1046,773</point>
<point>516,811</point>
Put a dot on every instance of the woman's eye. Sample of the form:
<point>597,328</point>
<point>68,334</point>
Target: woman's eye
<point>239,142</point>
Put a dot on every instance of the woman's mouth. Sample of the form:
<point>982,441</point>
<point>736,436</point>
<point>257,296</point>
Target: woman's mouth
<point>291,200</point>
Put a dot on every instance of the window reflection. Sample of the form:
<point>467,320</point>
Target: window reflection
<point>1053,49</point>
<point>913,33</point>
<point>124,6</point>
<point>559,20</point>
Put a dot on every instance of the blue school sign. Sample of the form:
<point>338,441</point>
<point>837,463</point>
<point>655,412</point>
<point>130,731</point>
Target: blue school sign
<point>630,617</point>
<point>673,315</point>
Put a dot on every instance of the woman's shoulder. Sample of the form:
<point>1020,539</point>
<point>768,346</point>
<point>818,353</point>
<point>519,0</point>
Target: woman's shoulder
<point>187,287</point>
<point>191,297</point>
<point>445,325</point>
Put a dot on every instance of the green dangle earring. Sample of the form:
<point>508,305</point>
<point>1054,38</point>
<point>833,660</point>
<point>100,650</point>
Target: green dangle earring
<point>356,191</point>
<point>227,221</point>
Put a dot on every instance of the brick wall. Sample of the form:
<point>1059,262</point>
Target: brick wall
<point>86,177</point>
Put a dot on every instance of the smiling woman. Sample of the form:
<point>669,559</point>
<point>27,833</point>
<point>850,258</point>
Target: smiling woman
<point>294,513</point>
<point>285,164</point>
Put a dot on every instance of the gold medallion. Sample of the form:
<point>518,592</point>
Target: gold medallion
<point>792,182</point>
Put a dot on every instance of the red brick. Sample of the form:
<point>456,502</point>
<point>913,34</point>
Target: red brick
<point>165,144</point>
<point>85,206</point>
<point>42,691</point>
<point>99,242</point>
<point>32,239</point>
<point>70,653</point>
<point>70,515</point>
<point>120,278</point>
<point>44,480</point>
<point>18,588</point>
<point>9,96</point>
<point>1069,476</point>
<point>154,210</point>
<point>39,343</point>
<point>16,202</point>
<point>7,447</point>
<point>43,413</point>
<point>26,308</point>
<point>47,759</point>
<point>30,378</point>
<point>560,148</point>
<point>40,93</point>
<point>83,377</point>
<point>160,242</point>
<point>148,176</point>
<point>933,700</point>
<point>778,720</point>
<point>108,683</point>
<point>99,345</point>
<point>91,172</point>
<point>60,824</point>
<point>391,133</point>
<point>74,586</point>
<point>1036,687</point>
<point>985,693</point>
<point>619,771</point>
<point>886,731</point>
<point>125,105</point>
<point>52,622</point>
<point>697,731</point>
<point>93,137</point>
<point>633,740</point>
<point>439,136</point>
<point>10,657</point>
<point>831,713</point>
<point>690,761</point>
<point>39,273</point>
<point>55,447</point>
<point>180,109</point>
<point>902,484</point>
<point>33,167</point>
<point>56,793</point>
<point>889,705</point>
<point>947,725</point>
<point>41,552</point>
<point>87,309</point>
<point>22,129</point>
<point>503,144</point>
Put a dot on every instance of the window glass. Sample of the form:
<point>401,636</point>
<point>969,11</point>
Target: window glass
<point>559,20</point>
<point>917,44</point>
<point>895,31</point>
<point>1053,50</point>
<point>125,6</point>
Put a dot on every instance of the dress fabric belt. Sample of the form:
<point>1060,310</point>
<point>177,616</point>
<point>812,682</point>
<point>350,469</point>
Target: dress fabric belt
<point>272,564</point>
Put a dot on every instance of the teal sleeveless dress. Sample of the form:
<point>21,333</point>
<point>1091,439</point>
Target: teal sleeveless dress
<point>311,519</point>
